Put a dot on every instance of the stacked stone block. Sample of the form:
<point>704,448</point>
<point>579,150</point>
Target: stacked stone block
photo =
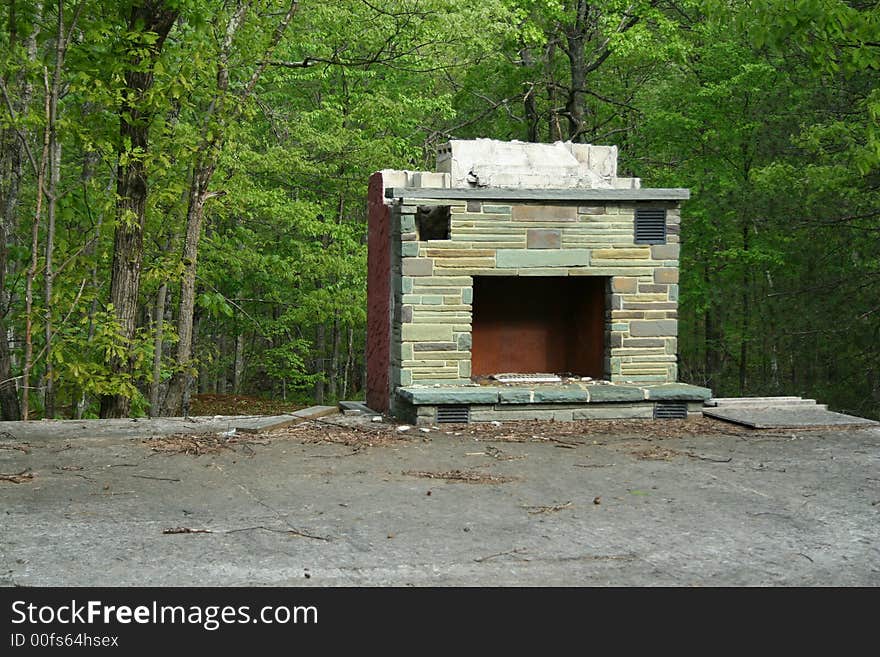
<point>432,280</point>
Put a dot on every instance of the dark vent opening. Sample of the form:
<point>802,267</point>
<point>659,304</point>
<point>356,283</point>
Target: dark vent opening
<point>650,226</point>
<point>670,410</point>
<point>433,222</point>
<point>453,414</point>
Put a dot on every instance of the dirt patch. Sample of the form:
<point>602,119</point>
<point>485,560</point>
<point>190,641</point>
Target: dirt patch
<point>461,476</point>
<point>655,453</point>
<point>214,404</point>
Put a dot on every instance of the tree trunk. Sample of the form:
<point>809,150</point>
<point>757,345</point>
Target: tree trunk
<point>744,319</point>
<point>334,359</point>
<point>90,161</point>
<point>159,319</point>
<point>712,342</point>
<point>149,16</point>
<point>554,130</point>
<point>52,196</point>
<point>12,157</point>
<point>238,367</point>
<point>320,346</point>
<point>195,214</point>
<point>348,363</point>
<point>203,170</point>
<point>530,103</point>
<point>221,368</point>
<point>32,270</point>
<point>575,38</point>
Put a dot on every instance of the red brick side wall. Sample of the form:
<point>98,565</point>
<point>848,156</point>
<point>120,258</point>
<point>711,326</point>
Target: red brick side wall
<point>378,296</point>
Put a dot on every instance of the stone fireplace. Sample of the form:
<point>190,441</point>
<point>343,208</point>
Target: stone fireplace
<point>534,261</point>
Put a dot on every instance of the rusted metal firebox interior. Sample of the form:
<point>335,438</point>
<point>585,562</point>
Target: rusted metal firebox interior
<point>523,281</point>
<point>540,324</point>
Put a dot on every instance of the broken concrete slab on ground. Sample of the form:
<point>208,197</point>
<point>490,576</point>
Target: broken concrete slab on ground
<point>778,413</point>
<point>164,426</point>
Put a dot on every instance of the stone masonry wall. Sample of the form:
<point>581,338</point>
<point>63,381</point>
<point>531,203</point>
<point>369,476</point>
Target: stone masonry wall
<point>432,281</point>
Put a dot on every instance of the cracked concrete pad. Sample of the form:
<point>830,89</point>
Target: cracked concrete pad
<point>623,503</point>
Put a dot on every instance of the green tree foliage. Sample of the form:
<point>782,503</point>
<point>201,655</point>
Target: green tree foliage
<point>767,110</point>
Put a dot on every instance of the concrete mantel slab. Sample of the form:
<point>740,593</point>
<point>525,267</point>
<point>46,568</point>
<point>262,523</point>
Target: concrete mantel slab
<point>520,195</point>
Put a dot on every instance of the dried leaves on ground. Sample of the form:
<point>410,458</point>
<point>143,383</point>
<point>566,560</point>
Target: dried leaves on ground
<point>360,435</point>
<point>350,435</point>
<point>578,431</point>
<point>204,443</point>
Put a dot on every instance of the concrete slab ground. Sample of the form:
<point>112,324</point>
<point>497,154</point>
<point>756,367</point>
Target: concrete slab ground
<point>695,503</point>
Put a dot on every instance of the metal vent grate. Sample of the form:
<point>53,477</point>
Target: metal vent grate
<point>449,414</point>
<point>670,410</point>
<point>650,226</point>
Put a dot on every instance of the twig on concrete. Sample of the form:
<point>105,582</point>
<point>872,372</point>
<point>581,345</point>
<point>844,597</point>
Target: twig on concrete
<point>156,478</point>
<point>17,477</point>
<point>534,510</point>
<point>565,443</point>
<point>709,458</point>
<point>805,557</point>
<point>20,448</point>
<point>186,530</point>
<point>290,531</point>
<point>592,465</point>
<point>500,554</point>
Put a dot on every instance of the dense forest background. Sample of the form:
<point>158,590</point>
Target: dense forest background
<point>183,182</point>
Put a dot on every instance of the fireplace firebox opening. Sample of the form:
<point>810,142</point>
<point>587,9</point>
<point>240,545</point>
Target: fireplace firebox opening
<point>540,324</point>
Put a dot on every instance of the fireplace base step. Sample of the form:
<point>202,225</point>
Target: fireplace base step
<point>567,402</point>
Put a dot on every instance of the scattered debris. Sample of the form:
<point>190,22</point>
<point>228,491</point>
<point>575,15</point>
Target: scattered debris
<point>403,427</point>
<point>501,554</point>
<point>454,476</point>
<point>17,477</point>
<point>425,430</point>
<point>199,444</point>
<point>376,418</point>
<point>186,530</point>
<point>535,510</point>
<point>597,500</point>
